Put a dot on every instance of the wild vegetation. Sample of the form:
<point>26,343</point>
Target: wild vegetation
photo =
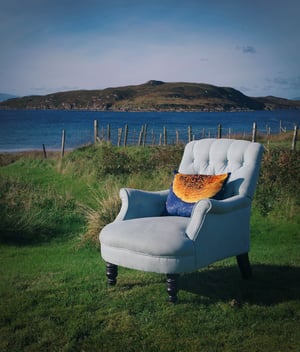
<point>53,286</point>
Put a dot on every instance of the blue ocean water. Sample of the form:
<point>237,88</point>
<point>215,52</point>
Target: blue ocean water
<point>30,129</point>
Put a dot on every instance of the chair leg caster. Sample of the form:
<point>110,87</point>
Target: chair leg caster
<point>172,287</point>
<point>111,273</point>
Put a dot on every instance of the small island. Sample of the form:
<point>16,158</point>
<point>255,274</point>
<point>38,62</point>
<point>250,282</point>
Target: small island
<point>153,96</point>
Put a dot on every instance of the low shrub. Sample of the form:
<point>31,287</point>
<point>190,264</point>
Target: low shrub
<point>105,159</point>
<point>105,211</point>
<point>42,202</point>
<point>279,183</point>
<point>31,213</point>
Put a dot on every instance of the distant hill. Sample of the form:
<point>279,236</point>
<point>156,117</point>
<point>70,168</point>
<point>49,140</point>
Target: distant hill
<point>272,103</point>
<point>4,96</point>
<point>152,96</point>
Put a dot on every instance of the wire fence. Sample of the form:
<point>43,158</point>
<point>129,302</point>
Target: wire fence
<point>122,137</point>
<point>125,136</point>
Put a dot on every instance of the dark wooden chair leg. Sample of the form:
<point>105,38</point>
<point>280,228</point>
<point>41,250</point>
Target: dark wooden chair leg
<point>111,273</point>
<point>172,287</point>
<point>244,265</point>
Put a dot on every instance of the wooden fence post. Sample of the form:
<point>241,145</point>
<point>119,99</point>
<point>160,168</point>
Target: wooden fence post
<point>295,134</point>
<point>125,135</point>
<point>44,151</point>
<point>108,133</point>
<point>177,136</point>
<point>145,134</point>
<point>141,136</point>
<point>160,139</point>
<point>281,128</point>
<point>120,131</point>
<point>254,132</point>
<point>268,137</point>
<point>63,141</point>
<point>219,131</point>
<point>189,133</point>
<point>152,137</point>
<point>95,131</point>
<point>134,136</point>
<point>165,136</point>
<point>102,133</point>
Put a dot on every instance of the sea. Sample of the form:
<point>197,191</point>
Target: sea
<point>24,130</point>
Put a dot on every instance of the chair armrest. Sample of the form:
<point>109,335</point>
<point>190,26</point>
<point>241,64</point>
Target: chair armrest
<point>138,203</point>
<point>213,206</point>
<point>229,204</point>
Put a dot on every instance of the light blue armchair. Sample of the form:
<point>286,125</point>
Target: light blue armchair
<point>142,238</point>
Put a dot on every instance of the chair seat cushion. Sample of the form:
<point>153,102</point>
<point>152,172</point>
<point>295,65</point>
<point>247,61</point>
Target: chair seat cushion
<point>153,236</point>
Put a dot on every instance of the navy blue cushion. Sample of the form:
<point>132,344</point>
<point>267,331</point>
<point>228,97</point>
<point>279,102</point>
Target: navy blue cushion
<point>186,190</point>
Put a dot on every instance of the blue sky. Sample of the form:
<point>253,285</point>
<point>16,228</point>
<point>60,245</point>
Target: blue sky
<point>56,45</point>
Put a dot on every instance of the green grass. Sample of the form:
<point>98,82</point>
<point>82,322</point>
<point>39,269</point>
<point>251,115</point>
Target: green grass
<point>53,290</point>
<point>54,297</point>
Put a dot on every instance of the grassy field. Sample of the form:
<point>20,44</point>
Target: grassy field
<point>54,295</point>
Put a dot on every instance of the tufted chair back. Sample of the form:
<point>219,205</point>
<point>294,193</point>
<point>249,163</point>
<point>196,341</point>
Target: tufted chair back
<point>217,156</point>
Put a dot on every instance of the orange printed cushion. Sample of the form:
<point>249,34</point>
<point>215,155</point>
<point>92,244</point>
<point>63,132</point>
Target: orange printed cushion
<point>186,190</point>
